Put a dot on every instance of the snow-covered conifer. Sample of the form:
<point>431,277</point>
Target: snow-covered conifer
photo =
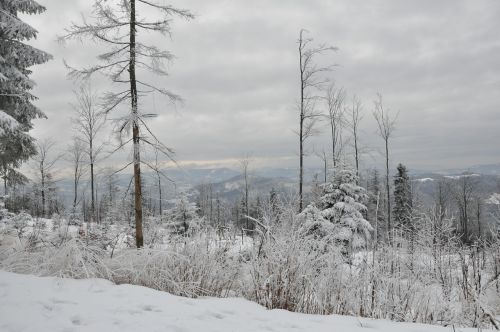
<point>339,213</point>
<point>183,217</point>
<point>402,197</point>
<point>16,101</point>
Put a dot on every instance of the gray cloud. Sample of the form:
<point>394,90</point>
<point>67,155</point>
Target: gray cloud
<point>436,62</point>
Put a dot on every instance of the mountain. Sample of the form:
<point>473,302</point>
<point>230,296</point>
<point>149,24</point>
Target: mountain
<point>486,169</point>
<point>229,182</point>
<point>233,188</point>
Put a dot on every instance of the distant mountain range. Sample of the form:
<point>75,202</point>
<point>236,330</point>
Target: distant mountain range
<point>487,169</point>
<point>233,188</point>
<point>229,182</point>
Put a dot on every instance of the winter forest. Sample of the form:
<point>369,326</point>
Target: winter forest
<point>249,166</point>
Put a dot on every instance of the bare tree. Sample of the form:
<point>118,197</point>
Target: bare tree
<point>156,167</point>
<point>324,159</point>
<point>117,25</point>
<point>45,162</point>
<point>310,80</point>
<point>464,191</point>
<point>244,165</point>
<point>335,98</point>
<point>356,117</point>
<point>441,201</point>
<point>385,126</point>
<point>478,202</point>
<point>76,152</point>
<point>89,122</point>
<point>158,176</point>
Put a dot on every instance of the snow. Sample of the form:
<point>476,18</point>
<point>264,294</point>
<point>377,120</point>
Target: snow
<point>7,123</point>
<point>235,185</point>
<point>494,199</point>
<point>425,180</point>
<point>457,177</point>
<point>29,303</point>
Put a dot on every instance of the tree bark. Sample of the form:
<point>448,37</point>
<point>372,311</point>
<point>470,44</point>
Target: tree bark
<point>43,191</point>
<point>301,124</point>
<point>324,168</point>
<point>159,192</point>
<point>135,132</point>
<point>334,143</point>
<point>75,188</point>
<point>356,155</point>
<point>92,196</point>
<point>5,185</point>
<point>388,189</point>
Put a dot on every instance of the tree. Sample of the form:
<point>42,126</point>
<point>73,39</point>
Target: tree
<point>385,126</point>
<point>159,174</point>
<point>76,151</point>
<point>441,200</point>
<point>355,120</point>
<point>403,203</point>
<point>89,122</point>
<point>117,25</point>
<point>110,203</point>
<point>464,190</point>
<point>310,80</point>
<point>478,204</point>
<point>183,217</point>
<point>336,118</point>
<point>244,164</point>
<point>17,110</point>
<point>11,178</point>
<point>375,202</point>
<point>45,162</point>
<point>324,159</point>
<point>338,215</point>
<point>274,206</point>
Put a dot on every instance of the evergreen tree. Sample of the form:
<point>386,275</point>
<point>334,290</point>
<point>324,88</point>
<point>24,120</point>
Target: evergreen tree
<point>111,205</point>
<point>183,217</point>
<point>16,102</point>
<point>402,197</point>
<point>338,214</point>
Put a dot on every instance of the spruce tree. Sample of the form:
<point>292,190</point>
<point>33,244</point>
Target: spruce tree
<point>17,110</point>
<point>402,197</point>
<point>338,215</point>
<point>183,217</point>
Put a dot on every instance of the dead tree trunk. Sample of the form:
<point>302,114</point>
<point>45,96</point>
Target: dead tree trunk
<point>135,131</point>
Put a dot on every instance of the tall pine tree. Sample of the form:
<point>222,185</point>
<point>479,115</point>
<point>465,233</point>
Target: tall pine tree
<point>16,101</point>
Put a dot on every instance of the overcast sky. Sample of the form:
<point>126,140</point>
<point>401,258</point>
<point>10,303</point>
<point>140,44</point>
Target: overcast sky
<point>436,62</point>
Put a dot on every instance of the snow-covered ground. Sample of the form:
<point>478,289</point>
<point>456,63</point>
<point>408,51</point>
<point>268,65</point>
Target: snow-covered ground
<point>29,303</point>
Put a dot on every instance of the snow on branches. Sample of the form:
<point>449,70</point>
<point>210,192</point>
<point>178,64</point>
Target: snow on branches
<point>338,215</point>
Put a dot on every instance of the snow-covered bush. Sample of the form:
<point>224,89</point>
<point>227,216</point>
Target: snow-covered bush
<point>4,213</point>
<point>72,259</point>
<point>286,274</point>
<point>434,280</point>
<point>191,269</point>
